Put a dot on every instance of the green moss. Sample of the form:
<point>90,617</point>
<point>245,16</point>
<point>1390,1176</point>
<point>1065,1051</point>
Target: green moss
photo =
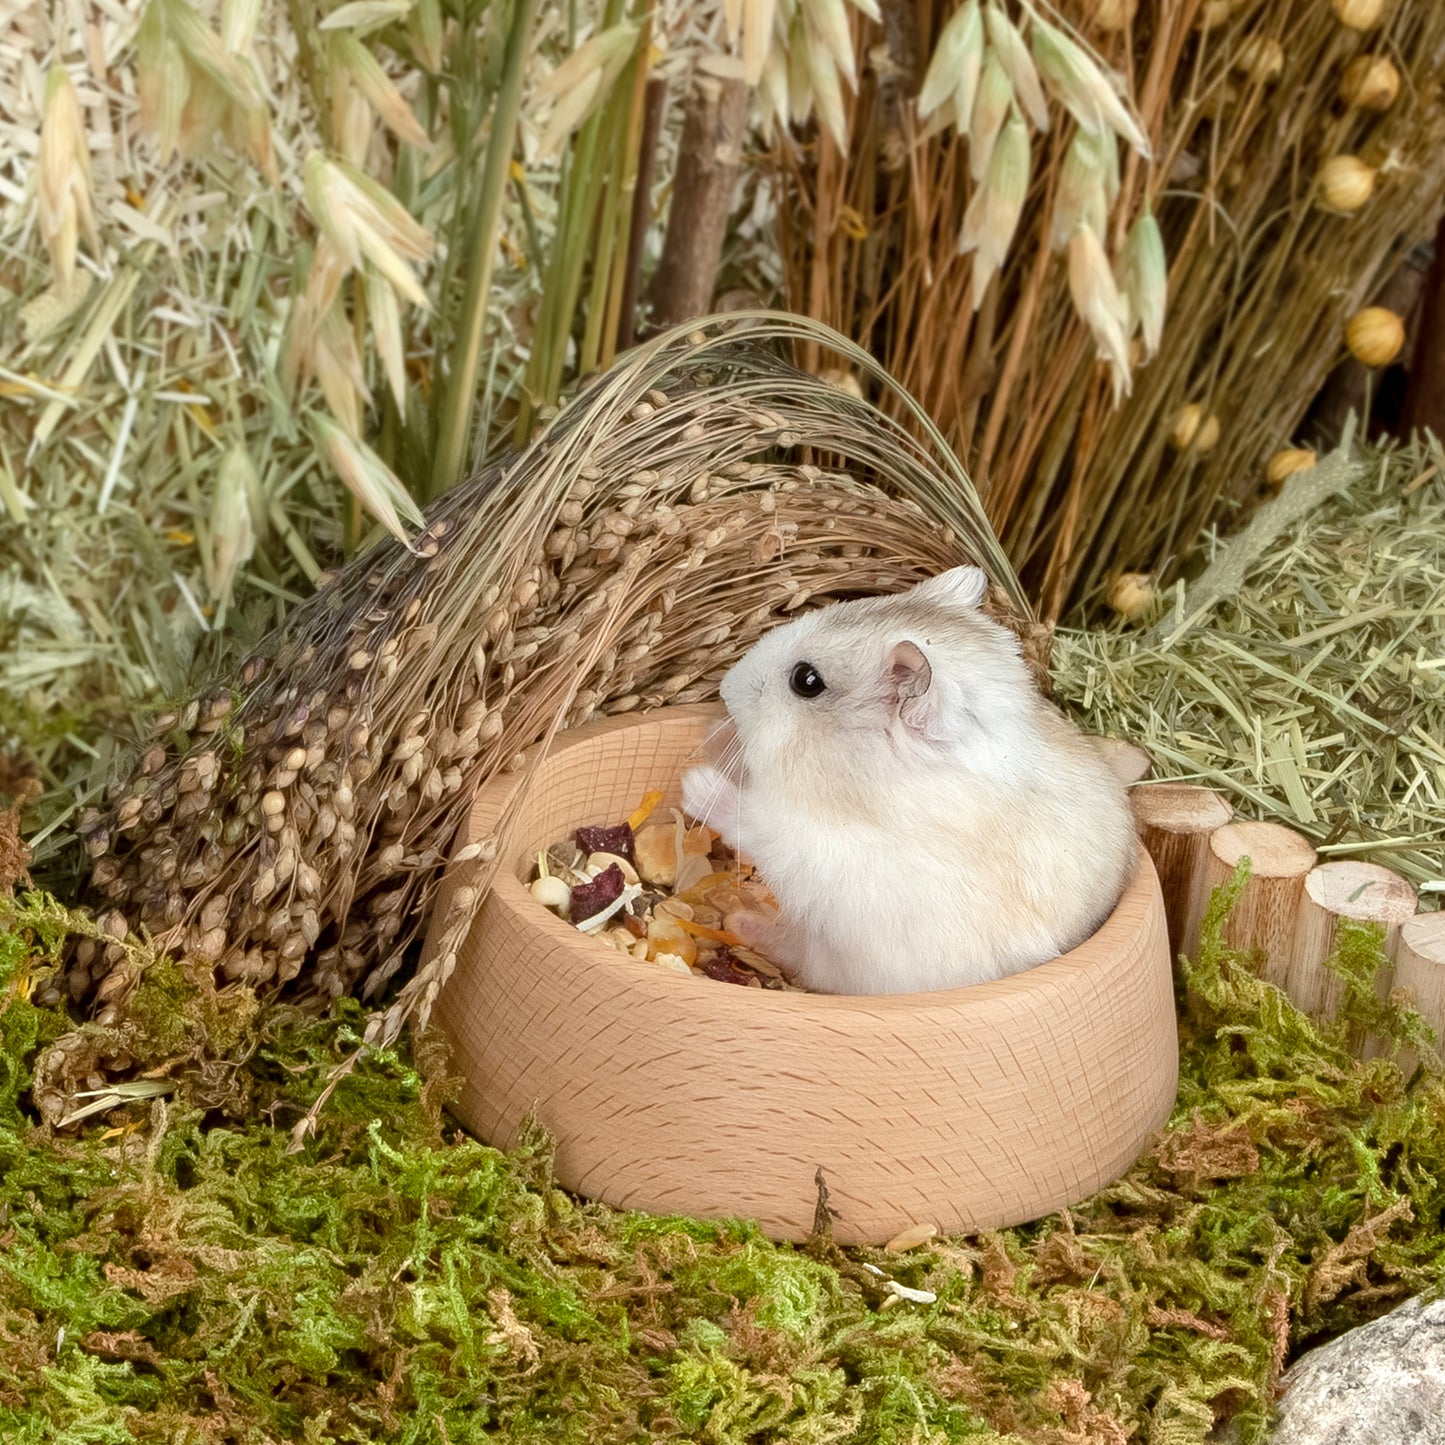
<point>174,1274</point>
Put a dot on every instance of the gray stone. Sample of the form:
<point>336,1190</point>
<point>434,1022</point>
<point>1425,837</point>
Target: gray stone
<point>1381,1384</point>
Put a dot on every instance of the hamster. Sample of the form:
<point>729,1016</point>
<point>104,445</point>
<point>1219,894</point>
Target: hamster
<point>924,817</point>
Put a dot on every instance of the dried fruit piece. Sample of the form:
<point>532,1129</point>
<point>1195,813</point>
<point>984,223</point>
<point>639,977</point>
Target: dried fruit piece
<point>616,840</point>
<point>643,811</point>
<point>666,935</point>
<point>655,855</point>
<point>592,897</point>
<point>723,967</point>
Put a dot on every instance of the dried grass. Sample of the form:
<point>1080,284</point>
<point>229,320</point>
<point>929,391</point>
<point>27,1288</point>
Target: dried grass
<point>1311,685</point>
<point>210,316</point>
<point>293,826</point>
<point>1261,278</point>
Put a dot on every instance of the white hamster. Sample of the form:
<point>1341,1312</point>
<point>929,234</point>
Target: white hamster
<point>925,818</point>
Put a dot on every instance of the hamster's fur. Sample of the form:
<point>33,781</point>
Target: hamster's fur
<point>926,819</point>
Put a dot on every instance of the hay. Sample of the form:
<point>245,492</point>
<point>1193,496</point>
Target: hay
<point>292,826</point>
<point>1303,673</point>
<point>189,335</point>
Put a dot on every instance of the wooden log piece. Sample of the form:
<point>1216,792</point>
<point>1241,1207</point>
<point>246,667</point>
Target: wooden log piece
<point>1264,914</point>
<point>1420,970</point>
<point>1175,821</point>
<point>1131,764</point>
<point>1347,888</point>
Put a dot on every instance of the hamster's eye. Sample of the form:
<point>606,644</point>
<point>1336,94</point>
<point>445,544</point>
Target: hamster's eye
<point>806,680</point>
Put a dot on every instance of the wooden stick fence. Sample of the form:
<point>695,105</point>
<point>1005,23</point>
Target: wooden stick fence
<point>1291,907</point>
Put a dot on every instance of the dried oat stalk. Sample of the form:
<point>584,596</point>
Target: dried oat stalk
<point>291,827</point>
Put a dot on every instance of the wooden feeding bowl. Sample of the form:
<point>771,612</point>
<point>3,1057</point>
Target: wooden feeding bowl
<point>968,1109</point>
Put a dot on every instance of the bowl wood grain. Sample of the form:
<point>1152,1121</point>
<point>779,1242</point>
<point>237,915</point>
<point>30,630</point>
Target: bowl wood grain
<point>970,1109</point>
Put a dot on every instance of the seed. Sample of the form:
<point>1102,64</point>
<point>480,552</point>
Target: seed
<point>1286,463</point>
<point>1131,594</point>
<point>1261,58</point>
<point>1195,430</point>
<point>1375,335</point>
<point>1346,182</point>
<point>1358,14</point>
<point>1114,14</point>
<point>1370,82</point>
<point>211,945</point>
<point>273,804</point>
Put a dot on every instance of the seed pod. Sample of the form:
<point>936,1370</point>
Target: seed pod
<point>1195,430</point>
<point>1260,57</point>
<point>211,945</point>
<point>1131,594</point>
<point>1286,463</point>
<point>1346,183</point>
<point>408,749</point>
<point>1358,14</point>
<point>1375,335</point>
<point>1114,14</point>
<point>1370,82</point>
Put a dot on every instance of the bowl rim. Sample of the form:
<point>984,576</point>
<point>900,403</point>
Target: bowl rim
<point>1093,956</point>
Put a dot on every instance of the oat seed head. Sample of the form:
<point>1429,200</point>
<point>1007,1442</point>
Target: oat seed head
<point>1097,299</point>
<point>1082,86</point>
<point>1013,54</point>
<point>360,66</point>
<point>957,62</point>
<point>1144,280</point>
<point>990,110</point>
<point>993,213</point>
<point>368,478</point>
<point>1082,196</point>
<point>64,204</point>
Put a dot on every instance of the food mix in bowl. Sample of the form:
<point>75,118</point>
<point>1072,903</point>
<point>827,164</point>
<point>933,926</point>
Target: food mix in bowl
<point>660,889</point>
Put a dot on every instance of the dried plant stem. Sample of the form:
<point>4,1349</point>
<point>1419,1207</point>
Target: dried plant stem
<point>1261,277</point>
<point>654,105</point>
<point>457,394</point>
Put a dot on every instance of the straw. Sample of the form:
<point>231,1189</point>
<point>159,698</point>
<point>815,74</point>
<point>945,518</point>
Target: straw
<point>1303,674</point>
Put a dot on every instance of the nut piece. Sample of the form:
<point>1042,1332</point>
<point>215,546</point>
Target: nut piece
<point>551,892</point>
<point>599,862</point>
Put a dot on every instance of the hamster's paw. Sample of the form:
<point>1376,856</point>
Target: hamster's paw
<point>711,797</point>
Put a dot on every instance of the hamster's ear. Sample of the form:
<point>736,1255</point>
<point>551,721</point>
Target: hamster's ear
<point>910,685</point>
<point>961,587</point>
